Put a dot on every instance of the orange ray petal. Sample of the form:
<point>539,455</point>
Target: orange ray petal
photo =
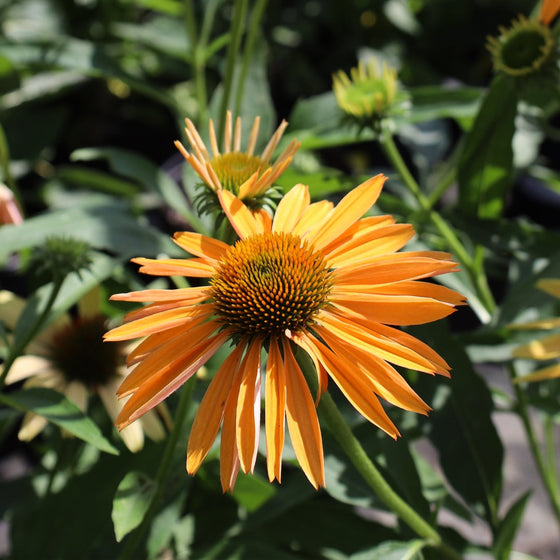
<point>384,379</point>
<point>545,349</point>
<point>549,10</point>
<point>239,215</point>
<point>155,323</point>
<point>175,267</point>
<point>249,407</point>
<point>275,411</point>
<point>157,308</point>
<point>164,356</point>
<point>229,457</point>
<point>394,309</point>
<point>303,424</point>
<point>290,209</point>
<point>370,342</point>
<point>164,382</point>
<point>352,207</point>
<point>210,413</point>
<point>356,388</point>
<point>150,343</point>
<point>191,295</point>
<point>315,213</point>
<point>200,245</point>
<point>388,239</point>
<point>390,271</point>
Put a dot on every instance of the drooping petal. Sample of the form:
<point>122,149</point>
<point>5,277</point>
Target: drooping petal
<point>303,424</point>
<point>290,209</point>
<point>357,388</point>
<point>210,413</point>
<point>544,349</point>
<point>26,366</point>
<point>275,411</point>
<point>162,383</point>
<point>248,411</point>
<point>544,374</point>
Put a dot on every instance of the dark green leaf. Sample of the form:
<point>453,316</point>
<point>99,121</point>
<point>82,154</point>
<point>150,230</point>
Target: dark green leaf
<point>507,529</point>
<point>393,550</point>
<point>437,102</point>
<point>56,408</point>
<point>462,430</point>
<point>486,162</point>
<point>131,503</point>
<point>9,78</point>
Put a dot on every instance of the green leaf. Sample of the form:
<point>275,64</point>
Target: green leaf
<point>393,550</point>
<point>437,102</point>
<point>507,529</point>
<point>486,161</point>
<point>462,430</point>
<point>252,492</point>
<point>104,225</point>
<point>139,168</point>
<point>9,78</point>
<point>81,176</point>
<point>56,408</point>
<point>131,503</point>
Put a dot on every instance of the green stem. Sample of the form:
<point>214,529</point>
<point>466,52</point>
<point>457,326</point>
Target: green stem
<point>18,349</point>
<point>478,279</point>
<point>365,466</point>
<point>254,26</point>
<point>547,475</point>
<point>163,471</point>
<point>237,24</point>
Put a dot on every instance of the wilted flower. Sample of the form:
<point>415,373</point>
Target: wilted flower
<point>69,356</point>
<point>315,279</point>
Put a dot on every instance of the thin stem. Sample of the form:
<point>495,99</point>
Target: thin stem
<point>365,466</point>
<point>478,279</point>
<point>240,10</point>
<point>16,351</point>
<point>254,26</point>
<point>161,477</point>
<point>548,476</point>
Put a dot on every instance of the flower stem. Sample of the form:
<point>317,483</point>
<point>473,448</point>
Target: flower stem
<point>254,26</point>
<point>329,412</point>
<point>18,348</point>
<point>478,279</point>
<point>237,24</point>
<point>355,452</point>
<point>548,475</point>
<point>161,477</point>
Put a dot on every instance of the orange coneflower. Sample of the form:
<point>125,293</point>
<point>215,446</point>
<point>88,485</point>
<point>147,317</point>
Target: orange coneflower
<point>245,174</point>
<point>315,277</point>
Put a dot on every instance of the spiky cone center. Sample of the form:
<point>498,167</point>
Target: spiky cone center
<point>269,283</point>
<point>78,352</point>
<point>521,49</point>
<point>234,168</point>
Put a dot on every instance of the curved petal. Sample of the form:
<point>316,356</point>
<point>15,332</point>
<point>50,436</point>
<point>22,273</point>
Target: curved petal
<point>544,349</point>
<point>303,424</point>
<point>290,209</point>
<point>26,366</point>
<point>32,425</point>
<point>240,217</point>
<point>275,411</point>
<point>190,295</point>
<point>314,214</point>
<point>248,412</point>
<point>210,413</point>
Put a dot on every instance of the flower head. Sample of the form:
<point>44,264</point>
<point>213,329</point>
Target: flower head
<point>317,278</point>
<point>70,357</point>
<point>370,93</point>
<point>245,174</point>
<point>547,348</point>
